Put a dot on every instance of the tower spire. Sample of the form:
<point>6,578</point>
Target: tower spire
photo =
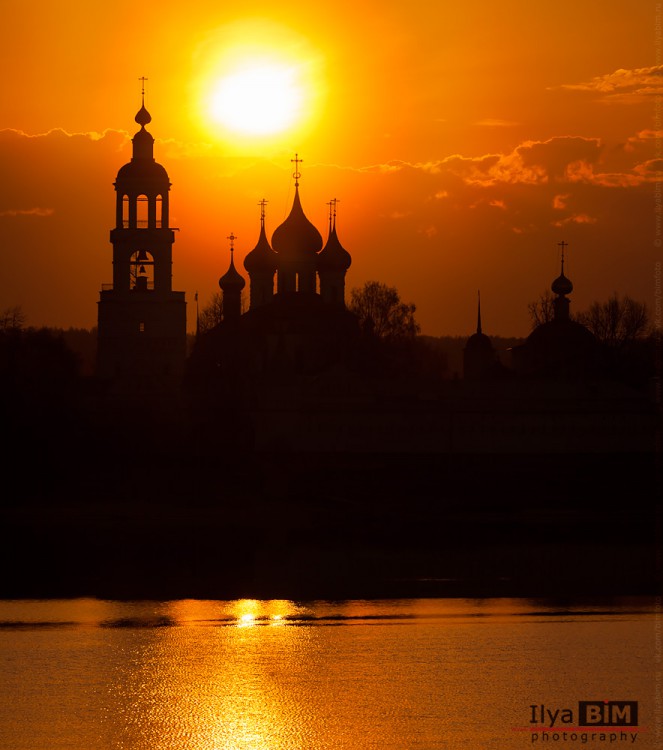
<point>262,203</point>
<point>563,245</point>
<point>143,117</point>
<point>231,284</point>
<point>232,237</point>
<point>142,80</point>
<point>478,311</point>
<point>562,286</point>
<point>296,174</point>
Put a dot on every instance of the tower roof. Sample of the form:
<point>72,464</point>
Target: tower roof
<point>143,117</point>
<point>296,238</point>
<point>262,257</point>
<point>334,257</point>
<point>143,170</point>
<point>561,285</point>
<point>232,279</point>
<point>479,340</point>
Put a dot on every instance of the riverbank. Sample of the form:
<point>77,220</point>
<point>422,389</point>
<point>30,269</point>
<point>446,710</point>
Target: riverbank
<point>334,526</point>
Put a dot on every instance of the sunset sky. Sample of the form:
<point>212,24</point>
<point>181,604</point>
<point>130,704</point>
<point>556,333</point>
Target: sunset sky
<point>463,141</point>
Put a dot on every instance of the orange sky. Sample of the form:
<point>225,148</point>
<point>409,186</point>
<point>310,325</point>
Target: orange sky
<point>463,141</point>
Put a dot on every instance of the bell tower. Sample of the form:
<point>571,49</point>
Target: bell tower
<point>141,320</point>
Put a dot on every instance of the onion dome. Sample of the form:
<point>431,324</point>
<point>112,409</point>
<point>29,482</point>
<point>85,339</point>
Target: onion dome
<point>143,117</point>
<point>334,257</point>
<point>296,238</point>
<point>143,168</point>
<point>232,279</point>
<point>262,258</point>
<point>561,285</point>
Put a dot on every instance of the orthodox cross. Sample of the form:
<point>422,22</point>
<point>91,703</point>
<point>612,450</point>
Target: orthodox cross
<point>232,237</point>
<point>297,174</point>
<point>142,80</point>
<point>563,245</point>
<point>332,211</point>
<point>262,203</point>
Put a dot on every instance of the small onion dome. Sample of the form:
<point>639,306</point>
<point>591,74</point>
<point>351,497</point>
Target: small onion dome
<point>232,279</point>
<point>296,238</point>
<point>561,285</point>
<point>262,257</point>
<point>334,257</point>
<point>143,117</point>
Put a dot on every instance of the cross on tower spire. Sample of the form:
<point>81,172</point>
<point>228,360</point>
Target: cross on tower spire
<point>142,80</point>
<point>232,237</point>
<point>332,212</point>
<point>262,203</point>
<point>563,245</point>
<point>297,174</point>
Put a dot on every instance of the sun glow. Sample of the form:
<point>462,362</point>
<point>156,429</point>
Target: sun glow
<point>258,80</point>
<point>261,97</point>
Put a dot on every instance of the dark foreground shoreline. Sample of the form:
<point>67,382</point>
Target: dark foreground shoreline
<point>338,526</point>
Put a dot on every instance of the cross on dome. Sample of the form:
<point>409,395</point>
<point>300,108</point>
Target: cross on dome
<point>563,245</point>
<point>296,174</point>
<point>262,203</point>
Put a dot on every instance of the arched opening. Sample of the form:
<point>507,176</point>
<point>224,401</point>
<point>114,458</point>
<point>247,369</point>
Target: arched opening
<point>141,268</point>
<point>142,211</point>
<point>125,211</point>
<point>159,211</point>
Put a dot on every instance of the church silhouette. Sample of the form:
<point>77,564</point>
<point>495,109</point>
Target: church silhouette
<point>290,456</point>
<point>296,370</point>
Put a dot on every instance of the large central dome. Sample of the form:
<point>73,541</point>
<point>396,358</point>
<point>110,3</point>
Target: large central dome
<point>296,238</point>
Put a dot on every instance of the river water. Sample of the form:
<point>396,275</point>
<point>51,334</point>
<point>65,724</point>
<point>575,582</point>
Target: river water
<point>86,674</point>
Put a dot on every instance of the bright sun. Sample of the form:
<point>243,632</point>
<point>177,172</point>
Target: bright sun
<point>258,80</point>
<point>258,98</point>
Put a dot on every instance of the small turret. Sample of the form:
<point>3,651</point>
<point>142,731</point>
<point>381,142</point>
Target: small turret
<point>333,262</point>
<point>261,265</point>
<point>232,283</point>
<point>561,286</point>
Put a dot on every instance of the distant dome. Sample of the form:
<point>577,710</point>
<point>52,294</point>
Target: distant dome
<point>262,257</point>
<point>562,285</point>
<point>296,238</point>
<point>232,279</point>
<point>334,257</point>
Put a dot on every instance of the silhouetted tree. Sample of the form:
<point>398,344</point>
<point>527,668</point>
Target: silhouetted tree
<point>12,319</point>
<point>541,310</point>
<point>212,314</point>
<point>381,312</point>
<point>618,322</point>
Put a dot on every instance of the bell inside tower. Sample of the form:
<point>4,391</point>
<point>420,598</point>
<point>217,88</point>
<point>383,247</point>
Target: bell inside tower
<point>142,271</point>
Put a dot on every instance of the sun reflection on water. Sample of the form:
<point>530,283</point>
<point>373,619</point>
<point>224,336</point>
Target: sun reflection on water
<point>202,675</point>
